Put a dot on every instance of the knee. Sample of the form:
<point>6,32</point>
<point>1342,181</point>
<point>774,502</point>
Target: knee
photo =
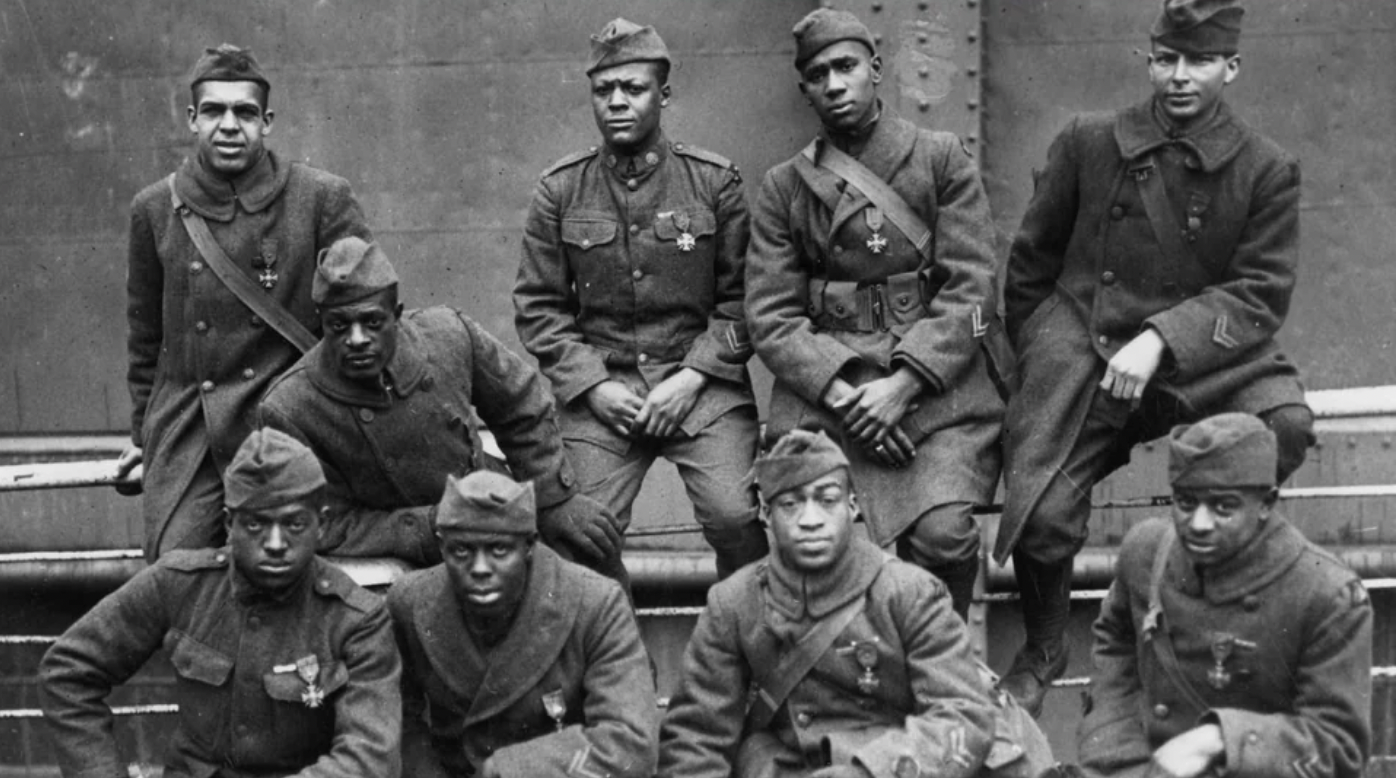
<point>944,535</point>
<point>1293,426</point>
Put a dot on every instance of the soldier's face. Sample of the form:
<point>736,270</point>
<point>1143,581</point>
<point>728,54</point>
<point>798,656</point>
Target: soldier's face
<point>840,83</point>
<point>362,336</point>
<point>489,570</point>
<point>272,547</point>
<point>627,101</point>
<point>1188,87</point>
<point>229,122</point>
<point>813,523</point>
<point>1215,524</point>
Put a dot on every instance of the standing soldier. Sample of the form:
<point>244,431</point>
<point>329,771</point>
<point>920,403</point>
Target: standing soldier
<point>392,402</point>
<point>218,294</point>
<point>517,663</point>
<point>283,666</point>
<point>870,288</point>
<point>1152,270</point>
<point>630,296</point>
<point>1229,644</point>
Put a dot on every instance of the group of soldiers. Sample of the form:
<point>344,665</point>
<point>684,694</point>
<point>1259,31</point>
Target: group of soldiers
<point>287,406</point>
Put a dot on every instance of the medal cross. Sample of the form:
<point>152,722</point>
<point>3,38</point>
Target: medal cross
<point>268,278</point>
<point>686,242</point>
<point>313,696</point>
<point>877,243</point>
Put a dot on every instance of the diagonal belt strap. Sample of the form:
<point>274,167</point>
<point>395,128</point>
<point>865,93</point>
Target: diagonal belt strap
<point>244,288</point>
<point>1160,639</point>
<point>1169,233</point>
<point>878,192</point>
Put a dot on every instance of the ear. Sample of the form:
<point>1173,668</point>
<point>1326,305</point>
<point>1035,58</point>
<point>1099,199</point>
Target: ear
<point>875,65</point>
<point>397,312</point>
<point>324,515</point>
<point>267,117</point>
<point>665,92</point>
<point>853,503</point>
<point>189,114</point>
<point>1233,68</point>
<point>227,520</point>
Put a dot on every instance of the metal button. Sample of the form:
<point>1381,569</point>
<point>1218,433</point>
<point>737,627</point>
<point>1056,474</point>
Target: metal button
<point>1108,277</point>
<point>634,229</point>
<point>838,249</point>
<point>248,373</point>
<point>1117,212</point>
<point>611,160</point>
<point>196,266</point>
<point>206,386</point>
<point>903,299</point>
<point>220,557</point>
<point>567,478</point>
<point>643,358</point>
<point>586,243</point>
<point>365,414</point>
<point>632,184</point>
<point>408,518</point>
<point>201,326</point>
<point>802,719</point>
<point>678,147</point>
<point>1252,738</point>
<point>1162,711</point>
<point>324,583</point>
<point>1251,603</point>
<point>256,322</point>
<point>637,274</point>
<point>651,159</point>
<point>1104,341</point>
<point>839,309</point>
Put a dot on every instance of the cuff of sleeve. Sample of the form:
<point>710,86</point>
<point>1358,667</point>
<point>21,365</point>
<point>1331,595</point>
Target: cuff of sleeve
<point>1180,358</point>
<point>574,387</point>
<point>933,382</point>
<point>713,369</point>
<point>567,752</point>
<point>1247,751</point>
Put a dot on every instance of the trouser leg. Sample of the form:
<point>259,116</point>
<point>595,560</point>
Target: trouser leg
<point>1293,426</point>
<point>612,478</point>
<point>197,518</point>
<point>945,541</point>
<point>714,465</point>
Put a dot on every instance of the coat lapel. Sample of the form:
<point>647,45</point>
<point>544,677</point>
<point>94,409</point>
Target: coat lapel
<point>407,368</point>
<point>891,143</point>
<point>1138,132</point>
<point>445,641</point>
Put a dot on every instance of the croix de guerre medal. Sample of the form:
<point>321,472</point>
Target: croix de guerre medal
<point>686,240</point>
<point>1218,676</point>
<point>308,668</point>
<point>555,707</point>
<point>873,216</point>
<point>866,654</point>
<point>265,263</point>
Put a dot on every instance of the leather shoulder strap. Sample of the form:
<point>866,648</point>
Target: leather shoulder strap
<point>878,192</point>
<point>1156,206</point>
<point>1156,624</point>
<point>251,295</point>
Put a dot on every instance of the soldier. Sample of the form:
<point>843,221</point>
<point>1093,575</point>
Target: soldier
<point>1153,267</point>
<point>388,401</point>
<point>1229,644</point>
<point>218,294</point>
<point>283,666</point>
<point>855,662</point>
<point>870,286</point>
<point>518,663</point>
<point>630,296</point>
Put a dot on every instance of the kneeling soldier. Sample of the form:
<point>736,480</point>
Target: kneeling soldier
<point>518,663</point>
<point>856,663</point>
<point>284,666</point>
<point>1229,644</point>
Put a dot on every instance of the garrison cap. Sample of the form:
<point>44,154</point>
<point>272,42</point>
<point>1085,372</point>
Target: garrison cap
<point>800,456</point>
<point>350,269</point>
<point>822,28</point>
<point>1199,26</point>
<point>1230,449</point>
<point>227,62</point>
<point>485,501</point>
<point>622,41</point>
<point>269,470</point>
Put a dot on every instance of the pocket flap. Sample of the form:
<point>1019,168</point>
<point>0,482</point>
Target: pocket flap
<point>198,662</point>
<point>288,687</point>
<point>701,221</point>
<point>585,233</point>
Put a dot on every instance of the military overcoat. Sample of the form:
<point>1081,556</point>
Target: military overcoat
<point>1087,273</point>
<point>386,452</point>
<point>1274,645</point>
<point>574,645</point>
<point>808,228</point>
<point>235,651</point>
<point>199,358</point>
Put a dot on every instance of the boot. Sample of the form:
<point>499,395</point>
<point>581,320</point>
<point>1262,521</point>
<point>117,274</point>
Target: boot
<point>959,579</point>
<point>1045,589</point>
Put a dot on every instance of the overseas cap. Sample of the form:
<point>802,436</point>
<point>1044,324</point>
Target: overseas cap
<point>269,470</point>
<point>1199,26</point>
<point>350,269</point>
<point>822,28</point>
<point>485,501</point>
<point>796,459</point>
<point>227,62</point>
<point>622,41</point>
<point>1230,449</point>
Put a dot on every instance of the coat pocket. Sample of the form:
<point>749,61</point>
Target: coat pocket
<point>204,693</point>
<point>198,662</point>
<point>588,233</point>
<point>701,223</point>
<point>289,687</point>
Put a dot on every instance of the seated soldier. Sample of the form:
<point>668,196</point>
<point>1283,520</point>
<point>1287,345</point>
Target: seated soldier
<point>858,664</point>
<point>1229,644</point>
<point>388,402</point>
<point>517,662</point>
<point>284,666</point>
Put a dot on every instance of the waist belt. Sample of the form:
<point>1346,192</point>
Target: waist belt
<point>893,304</point>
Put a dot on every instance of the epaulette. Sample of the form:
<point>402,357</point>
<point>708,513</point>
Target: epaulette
<point>330,581</point>
<point>710,157</point>
<point>570,160</point>
<point>189,560</point>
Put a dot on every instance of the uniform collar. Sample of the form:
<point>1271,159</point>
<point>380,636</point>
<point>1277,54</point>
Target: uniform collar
<point>1269,555</point>
<point>1139,130</point>
<point>852,143</point>
<point>798,595</point>
<point>645,160</point>
<point>405,371</point>
<point>888,143</point>
<point>246,594</point>
<point>218,199</point>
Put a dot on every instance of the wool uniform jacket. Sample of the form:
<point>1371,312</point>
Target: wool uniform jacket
<point>199,359</point>
<point>1289,625</point>
<point>241,710</point>
<point>1086,274</point>
<point>573,641</point>
<point>386,452</point>
<point>805,232</point>
<point>930,711</point>
<point>605,290</point>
